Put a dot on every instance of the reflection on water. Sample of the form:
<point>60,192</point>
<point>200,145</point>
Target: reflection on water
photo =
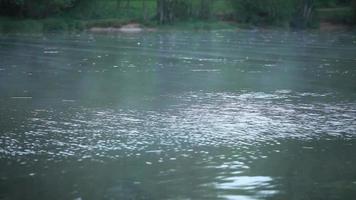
<point>184,115</point>
<point>198,119</point>
<point>258,185</point>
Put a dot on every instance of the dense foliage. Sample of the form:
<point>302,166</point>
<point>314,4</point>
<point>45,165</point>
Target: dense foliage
<point>354,10</point>
<point>34,8</point>
<point>332,3</point>
<point>169,11</point>
<point>263,11</point>
<point>295,13</point>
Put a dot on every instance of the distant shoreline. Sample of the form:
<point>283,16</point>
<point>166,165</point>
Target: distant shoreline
<point>15,26</point>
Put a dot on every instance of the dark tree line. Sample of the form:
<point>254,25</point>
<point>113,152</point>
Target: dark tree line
<point>297,13</point>
<point>304,14</point>
<point>34,8</point>
<point>353,4</point>
<point>169,11</point>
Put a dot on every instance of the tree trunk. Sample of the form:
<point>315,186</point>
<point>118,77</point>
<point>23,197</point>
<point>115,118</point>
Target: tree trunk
<point>204,11</point>
<point>118,4</point>
<point>165,11</point>
<point>308,9</point>
<point>160,11</point>
<point>353,4</point>
<point>304,14</point>
<point>144,10</point>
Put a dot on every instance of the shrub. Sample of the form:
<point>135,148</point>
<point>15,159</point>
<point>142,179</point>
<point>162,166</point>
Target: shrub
<point>54,25</point>
<point>269,12</point>
<point>117,23</point>
<point>15,26</point>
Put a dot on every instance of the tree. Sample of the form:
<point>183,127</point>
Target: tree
<point>34,8</point>
<point>170,10</point>
<point>205,9</point>
<point>304,16</point>
<point>354,11</point>
<point>164,11</point>
<point>118,4</point>
<point>263,11</point>
<point>144,9</point>
<point>160,11</point>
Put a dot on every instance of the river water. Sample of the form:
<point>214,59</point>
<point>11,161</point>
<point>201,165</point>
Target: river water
<point>244,115</point>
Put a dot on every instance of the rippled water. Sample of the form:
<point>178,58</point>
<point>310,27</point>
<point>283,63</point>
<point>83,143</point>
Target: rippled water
<point>178,115</point>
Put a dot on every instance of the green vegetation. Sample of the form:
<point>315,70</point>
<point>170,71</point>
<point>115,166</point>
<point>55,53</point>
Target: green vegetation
<point>278,12</point>
<point>77,15</point>
<point>353,6</point>
<point>342,15</point>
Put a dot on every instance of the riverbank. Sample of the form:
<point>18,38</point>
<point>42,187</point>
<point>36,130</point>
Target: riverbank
<point>106,25</point>
<point>15,26</point>
<point>9,25</point>
<point>116,15</point>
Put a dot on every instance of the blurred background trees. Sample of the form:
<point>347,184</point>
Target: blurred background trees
<point>169,11</point>
<point>353,4</point>
<point>263,11</point>
<point>286,13</point>
<point>34,8</point>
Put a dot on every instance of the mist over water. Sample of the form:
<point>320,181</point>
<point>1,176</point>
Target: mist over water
<point>178,115</point>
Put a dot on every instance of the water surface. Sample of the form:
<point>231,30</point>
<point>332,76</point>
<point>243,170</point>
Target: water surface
<point>244,115</point>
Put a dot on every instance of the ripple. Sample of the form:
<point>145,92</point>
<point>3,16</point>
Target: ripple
<point>237,120</point>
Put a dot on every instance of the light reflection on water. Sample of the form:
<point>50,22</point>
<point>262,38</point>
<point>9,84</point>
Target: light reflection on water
<point>234,115</point>
<point>259,185</point>
<point>200,119</point>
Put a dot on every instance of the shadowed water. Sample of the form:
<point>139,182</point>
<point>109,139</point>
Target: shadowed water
<point>243,115</point>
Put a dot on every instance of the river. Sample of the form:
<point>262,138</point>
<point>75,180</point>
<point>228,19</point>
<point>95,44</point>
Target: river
<point>241,115</point>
